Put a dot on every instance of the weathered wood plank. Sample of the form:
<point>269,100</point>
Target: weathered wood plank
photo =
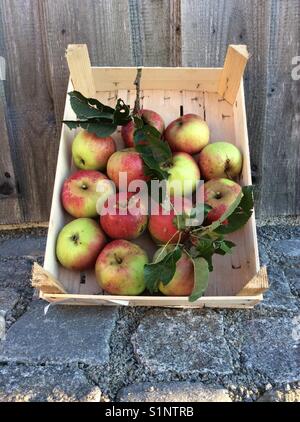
<point>280,188</point>
<point>204,43</point>
<point>29,107</point>
<point>103,25</point>
<point>9,201</point>
<point>152,26</point>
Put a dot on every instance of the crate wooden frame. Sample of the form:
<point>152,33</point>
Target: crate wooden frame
<point>215,93</point>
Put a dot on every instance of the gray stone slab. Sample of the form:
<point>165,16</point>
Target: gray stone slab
<point>263,255</point>
<point>279,295</point>
<point>22,246</point>
<point>20,383</point>
<point>271,347</point>
<point>65,334</point>
<point>15,273</point>
<point>8,300</point>
<point>289,248</point>
<point>182,342</point>
<point>173,392</point>
<point>293,278</point>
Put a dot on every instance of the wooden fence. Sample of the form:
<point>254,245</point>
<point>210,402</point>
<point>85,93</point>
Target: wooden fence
<point>33,38</point>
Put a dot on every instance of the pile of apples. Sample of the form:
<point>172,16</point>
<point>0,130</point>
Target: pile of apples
<point>105,242</point>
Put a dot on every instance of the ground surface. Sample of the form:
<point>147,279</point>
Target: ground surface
<point>138,354</point>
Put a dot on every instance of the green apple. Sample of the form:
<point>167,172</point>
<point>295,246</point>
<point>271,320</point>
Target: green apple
<point>182,283</point>
<point>79,243</point>
<point>120,268</point>
<point>188,133</point>
<point>220,159</point>
<point>184,175</point>
<point>91,152</point>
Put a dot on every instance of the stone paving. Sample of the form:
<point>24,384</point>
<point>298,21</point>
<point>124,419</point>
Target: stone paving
<point>139,354</point>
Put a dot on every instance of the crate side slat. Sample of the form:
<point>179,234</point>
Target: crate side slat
<point>157,78</point>
<point>162,301</point>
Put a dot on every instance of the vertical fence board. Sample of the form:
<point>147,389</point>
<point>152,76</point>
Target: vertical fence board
<point>29,107</point>
<point>9,201</point>
<point>280,188</point>
<point>103,25</point>
<point>207,29</point>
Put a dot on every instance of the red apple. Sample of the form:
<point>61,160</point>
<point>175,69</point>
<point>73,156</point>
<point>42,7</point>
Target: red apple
<point>220,194</point>
<point>220,159</point>
<point>182,283</point>
<point>188,133</point>
<point>127,161</point>
<point>150,117</point>
<point>91,152</point>
<point>125,216</point>
<point>80,193</point>
<point>166,228</point>
<point>120,268</point>
<point>79,243</point>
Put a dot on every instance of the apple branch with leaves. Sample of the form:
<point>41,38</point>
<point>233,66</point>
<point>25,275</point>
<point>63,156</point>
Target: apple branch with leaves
<point>201,242</point>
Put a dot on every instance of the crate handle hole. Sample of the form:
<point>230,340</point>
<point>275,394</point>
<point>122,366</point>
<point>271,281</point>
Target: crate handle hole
<point>181,110</point>
<point>82,278</point>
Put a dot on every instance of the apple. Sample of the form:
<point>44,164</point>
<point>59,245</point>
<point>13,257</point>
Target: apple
<point>182,283</point>
<point>125,216</point>
<point>91,152</point>
<point>79,243</point>
<point>150,117</point>
<point>84,191</point>
<point>184,175</point>
<point>164,225</point>
<point>220,194</point>
<point>127,161</point>
<point>188,133</point>
<point>120,268</point>
<point>220,159</point>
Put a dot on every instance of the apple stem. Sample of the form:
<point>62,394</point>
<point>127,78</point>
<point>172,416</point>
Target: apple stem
<point>119,260</point>
<point>137,83</point>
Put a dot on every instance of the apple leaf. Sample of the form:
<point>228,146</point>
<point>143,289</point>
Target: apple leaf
<point>96,117</point>
<point>162,270</point>
<point>121,114</point>
<point>201,273</point>
<point>100,127</point>
<point>155,153</point>
<point>89,108</point>
<point>241,214</point>
<point>209,244</point>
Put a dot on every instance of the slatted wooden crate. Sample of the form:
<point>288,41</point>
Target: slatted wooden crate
<point>216,94</point>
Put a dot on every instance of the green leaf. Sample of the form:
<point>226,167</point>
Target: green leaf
<point>241,214</point>
<point>210,244</point>
<point>163,270</point>
<point>155,153</point>
<point>100,127</point>
<point>121,113</point>
<point>224,247</point>
<point>201,274</point>
<point>89,108</point>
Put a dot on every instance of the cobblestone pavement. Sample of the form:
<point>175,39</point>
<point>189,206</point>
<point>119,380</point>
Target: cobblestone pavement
<point>139,354</point>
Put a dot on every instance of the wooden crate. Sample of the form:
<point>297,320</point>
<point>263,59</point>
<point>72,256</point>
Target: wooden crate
<point>216,94</point>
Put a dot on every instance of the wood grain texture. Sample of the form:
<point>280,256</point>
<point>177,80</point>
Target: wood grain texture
<point>101,24</point>
<point>280,189</point>
<point>29,108</point>
<point>9,201</point>
<point>152,23</point>
<point>271,31</point>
